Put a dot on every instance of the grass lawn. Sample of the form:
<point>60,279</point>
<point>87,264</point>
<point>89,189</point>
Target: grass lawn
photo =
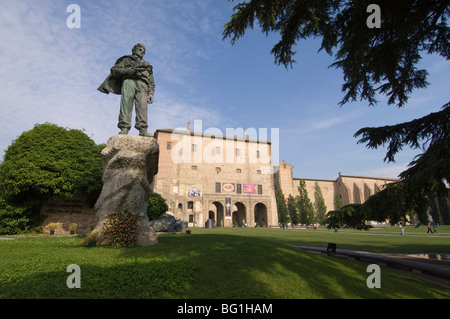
<point>218,263</point>
<point>378,240</point>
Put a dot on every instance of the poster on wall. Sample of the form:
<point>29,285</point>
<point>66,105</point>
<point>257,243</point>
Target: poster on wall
<point>194,192</point>
<point>227,207</point>
<point>228,187</point>
<point>250,188</point>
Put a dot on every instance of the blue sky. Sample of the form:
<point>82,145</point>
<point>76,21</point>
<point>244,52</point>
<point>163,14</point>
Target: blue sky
<point>50,73</point>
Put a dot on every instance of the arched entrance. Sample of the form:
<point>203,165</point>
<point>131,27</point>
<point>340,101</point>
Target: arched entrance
<point>261,215</point>
<point>219,214</point>
<point>239,215</point>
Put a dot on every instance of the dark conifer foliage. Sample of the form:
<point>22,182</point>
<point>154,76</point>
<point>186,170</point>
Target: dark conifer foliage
<point>375,62</point>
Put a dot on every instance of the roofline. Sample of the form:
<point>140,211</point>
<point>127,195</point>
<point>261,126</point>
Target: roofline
<point>224,137</point>
<point>371,177</point>
<point>314,179</point>
<point>350,176</point>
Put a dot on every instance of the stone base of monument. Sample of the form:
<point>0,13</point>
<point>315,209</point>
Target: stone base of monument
<point>129,165</point>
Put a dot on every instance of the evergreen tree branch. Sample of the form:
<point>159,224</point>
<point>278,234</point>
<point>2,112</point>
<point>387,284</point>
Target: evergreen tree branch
<point>432,130</point>
<point>374,61</point>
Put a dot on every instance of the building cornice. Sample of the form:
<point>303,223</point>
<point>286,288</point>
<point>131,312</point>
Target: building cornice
<point>215,136</point>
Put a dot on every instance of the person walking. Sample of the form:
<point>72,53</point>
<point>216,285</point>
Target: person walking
<point>402,229</point>
<point>435,228</point>
<point>429,228</point>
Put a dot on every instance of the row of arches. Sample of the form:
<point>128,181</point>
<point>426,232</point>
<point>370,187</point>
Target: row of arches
<point>360,193</point>
<point>240,216</point>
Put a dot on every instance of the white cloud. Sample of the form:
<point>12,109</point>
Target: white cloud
<point>327,123</point>
<point>172,113</point>
<point>50,73</point>
<point>388,171</point>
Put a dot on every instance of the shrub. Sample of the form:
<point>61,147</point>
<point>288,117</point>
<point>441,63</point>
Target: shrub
<point>120,230</point>
<point>156,206</point>
<point>73,227</point>
<point>52,226</point>
<point>13,219</point>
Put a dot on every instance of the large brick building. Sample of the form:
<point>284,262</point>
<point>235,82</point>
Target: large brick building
<point>205,176</point>
<point>232,180</point>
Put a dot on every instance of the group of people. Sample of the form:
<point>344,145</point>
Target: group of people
<point>434,230</point>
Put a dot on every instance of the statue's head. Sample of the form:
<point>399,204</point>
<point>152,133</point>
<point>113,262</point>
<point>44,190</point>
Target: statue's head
<point>139,50</point>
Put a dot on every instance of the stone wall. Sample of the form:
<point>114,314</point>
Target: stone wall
<point>351,189</point>
<point>66,211</point>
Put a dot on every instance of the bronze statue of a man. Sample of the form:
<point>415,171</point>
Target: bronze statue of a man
<point>132,77</point>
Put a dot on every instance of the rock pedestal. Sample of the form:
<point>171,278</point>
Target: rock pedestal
<point>129,165</point>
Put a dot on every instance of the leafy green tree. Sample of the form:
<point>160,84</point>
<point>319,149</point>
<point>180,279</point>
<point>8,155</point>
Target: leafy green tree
<point>49,160</point>
<point>304,205</point>
<point>375,61</point>
<point>395,203</point>
<point>156,206</point>
<point>283,217</point>
<point>337,202</point>
<point>319,205</point>
<point>292,210</point>
<point>352,216</point>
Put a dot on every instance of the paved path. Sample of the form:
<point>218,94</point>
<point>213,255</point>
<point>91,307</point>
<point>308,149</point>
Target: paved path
<point>441,269</point>
<point>444,235</point>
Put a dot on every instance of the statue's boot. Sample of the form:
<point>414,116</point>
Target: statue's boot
<point>145,134</point>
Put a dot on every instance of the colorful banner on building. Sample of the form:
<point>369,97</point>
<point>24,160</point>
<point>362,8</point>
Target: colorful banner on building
<point>250,188</point>
<point>227,207</point>
<point>228,187</point>
<point>194,192</point>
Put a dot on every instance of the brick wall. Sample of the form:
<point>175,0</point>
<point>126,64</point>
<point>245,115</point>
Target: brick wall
<point>66,211</point>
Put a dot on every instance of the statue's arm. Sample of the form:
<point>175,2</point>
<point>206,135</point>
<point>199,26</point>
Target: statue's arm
<point>123,69</point>
<point>151,88</point>
<point>151,85</point>
<point>145,73</point>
